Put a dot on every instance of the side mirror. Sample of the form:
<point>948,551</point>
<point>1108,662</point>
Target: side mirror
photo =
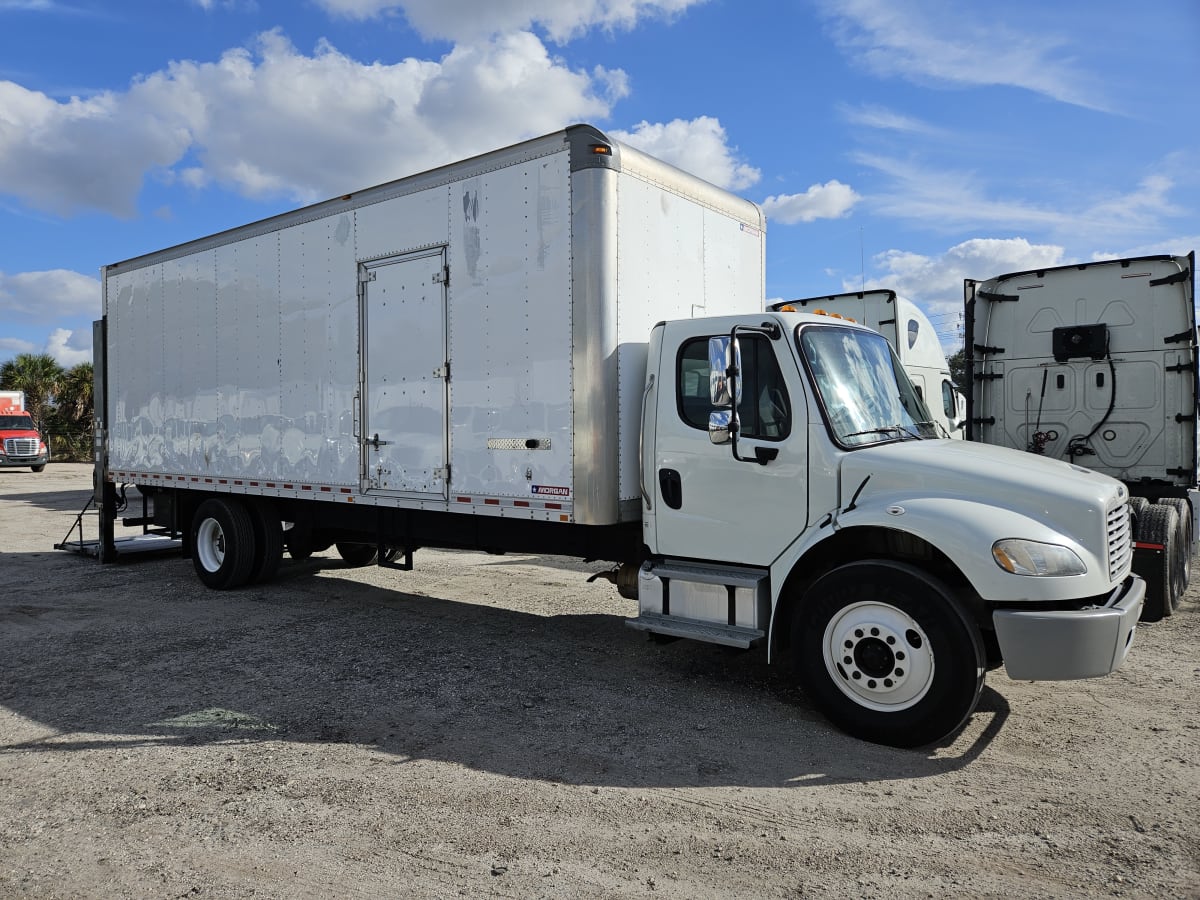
<point>720,350</point>
<point>719,431</point>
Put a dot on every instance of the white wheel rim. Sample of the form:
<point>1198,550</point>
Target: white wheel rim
<point>878,656</point>
<point>210,545</point>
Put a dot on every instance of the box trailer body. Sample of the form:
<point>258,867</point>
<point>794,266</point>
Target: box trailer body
<point>485,353</point>
<point>562,347</point>
<point>915,340</point>
<point>1096,364</point>
<point>20,442</point>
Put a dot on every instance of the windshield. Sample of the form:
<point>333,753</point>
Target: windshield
<point>16,423</point>
<point>863,389</point>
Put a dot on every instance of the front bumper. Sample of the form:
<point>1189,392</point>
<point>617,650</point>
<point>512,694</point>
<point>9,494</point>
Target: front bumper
<point>39,459</point>
<point>1058,645</point>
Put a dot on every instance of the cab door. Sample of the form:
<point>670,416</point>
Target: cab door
<point>405,373</point>
<point>707,505</point>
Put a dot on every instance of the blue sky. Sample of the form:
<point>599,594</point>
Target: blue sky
<point>904,144</point>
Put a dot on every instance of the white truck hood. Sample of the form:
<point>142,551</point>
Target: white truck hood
<point>1066,498</point>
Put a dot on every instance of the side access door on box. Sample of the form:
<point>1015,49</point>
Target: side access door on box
<point>402,309</point>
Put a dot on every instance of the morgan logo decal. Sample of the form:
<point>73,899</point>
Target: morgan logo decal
<point>545,490</point>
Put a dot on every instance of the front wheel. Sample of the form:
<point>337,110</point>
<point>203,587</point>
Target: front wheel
<point>885,653</point>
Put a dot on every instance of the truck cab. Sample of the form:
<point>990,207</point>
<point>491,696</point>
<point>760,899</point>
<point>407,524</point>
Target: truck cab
<point>20,442</point>
<point>795,494</point>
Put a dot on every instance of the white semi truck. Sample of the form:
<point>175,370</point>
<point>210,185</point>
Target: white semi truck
<point>1096,364</point>
<point>561,347</point>
<point>914,338</point>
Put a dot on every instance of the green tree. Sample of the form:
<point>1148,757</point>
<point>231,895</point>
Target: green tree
<point>72,416</point>
<point>958,371</point>
<point>39,376</point>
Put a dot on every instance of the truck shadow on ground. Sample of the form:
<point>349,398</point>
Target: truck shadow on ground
<point>143,654</point>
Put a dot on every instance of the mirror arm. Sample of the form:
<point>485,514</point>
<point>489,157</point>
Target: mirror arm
<point>762,455</point>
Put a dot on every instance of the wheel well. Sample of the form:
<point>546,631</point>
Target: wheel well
<point>855,544</point>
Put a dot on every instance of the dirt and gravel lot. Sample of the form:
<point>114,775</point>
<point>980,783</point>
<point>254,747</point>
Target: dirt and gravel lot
<point>487,726</point>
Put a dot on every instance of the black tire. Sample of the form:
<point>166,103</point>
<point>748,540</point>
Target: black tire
<point>1186,537</point>
<point>915,662</point>
<point>357,555</point>
<point>268,541</point>
<point>38,468</point>
<point>1160,525</point>
<point>222,543</point>
<point>1137,510</point>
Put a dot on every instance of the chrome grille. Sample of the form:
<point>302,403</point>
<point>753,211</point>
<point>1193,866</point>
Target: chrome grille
<point>21,446</point>
<point>1120,542</point>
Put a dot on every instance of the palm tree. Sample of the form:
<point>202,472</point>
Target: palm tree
<point>38,375</point>
<point>73,413</point>
<point>73,400</point>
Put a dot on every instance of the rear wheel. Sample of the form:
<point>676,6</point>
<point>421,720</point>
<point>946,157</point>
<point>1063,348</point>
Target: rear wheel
<point>1160,525</point>
<point>357,555</point>
<point>223,543</point>
<point>883,650</point>
<point>1185,536</point>
<point>268,542</point>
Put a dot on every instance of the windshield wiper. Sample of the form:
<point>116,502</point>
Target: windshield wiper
<point>899,430</point>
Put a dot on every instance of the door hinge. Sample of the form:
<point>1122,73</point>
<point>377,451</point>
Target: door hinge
<point>988,376</point>
<point>442,473</point>
<point>443,276</point>
<point>365,275</point>
<point>442,371</point>
<point>1182,367</point>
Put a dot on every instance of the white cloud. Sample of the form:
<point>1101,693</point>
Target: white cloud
<point>279,122</point>
<point>935,283</point>
<point>699,146</point>
<point>10,347</point>
<point>951,200</point>
<point>880,118</point>
<point>937,42</point>
<point>1180,245</point>
<point>82,153</point>
<point>461,20</point>
<point>43,296</point>
<point>831,200</point>
<point>59,346</point>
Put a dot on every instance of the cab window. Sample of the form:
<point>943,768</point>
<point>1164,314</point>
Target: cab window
<point>765,410</point>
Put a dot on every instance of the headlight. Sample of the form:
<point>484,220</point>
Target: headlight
<point>1033,558</point>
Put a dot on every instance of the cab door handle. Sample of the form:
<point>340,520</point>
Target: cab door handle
<point>670,485</point>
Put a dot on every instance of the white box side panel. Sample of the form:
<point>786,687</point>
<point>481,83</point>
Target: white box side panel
<point>677,259</point>
<point>510,332</point>
<point>402,224</point>
<point>135,365</point>
<point>189,351</point>
<point>239,361</point>
<point>318,358</point>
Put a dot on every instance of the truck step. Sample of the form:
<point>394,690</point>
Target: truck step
<point>727,635</point>
<point>738,576</point>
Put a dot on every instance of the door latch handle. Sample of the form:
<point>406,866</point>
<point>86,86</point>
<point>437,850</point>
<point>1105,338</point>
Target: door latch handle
<point>375,442</point>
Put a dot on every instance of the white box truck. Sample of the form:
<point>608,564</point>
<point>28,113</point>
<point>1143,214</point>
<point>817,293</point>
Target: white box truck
<point>914,339</point>
<point>561,347</point>
<point>1096,364</point>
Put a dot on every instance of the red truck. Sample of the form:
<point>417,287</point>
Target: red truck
<point>20,443</point>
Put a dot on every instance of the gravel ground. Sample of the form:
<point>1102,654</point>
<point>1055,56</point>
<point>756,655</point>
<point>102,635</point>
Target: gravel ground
<point>487,726</point>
